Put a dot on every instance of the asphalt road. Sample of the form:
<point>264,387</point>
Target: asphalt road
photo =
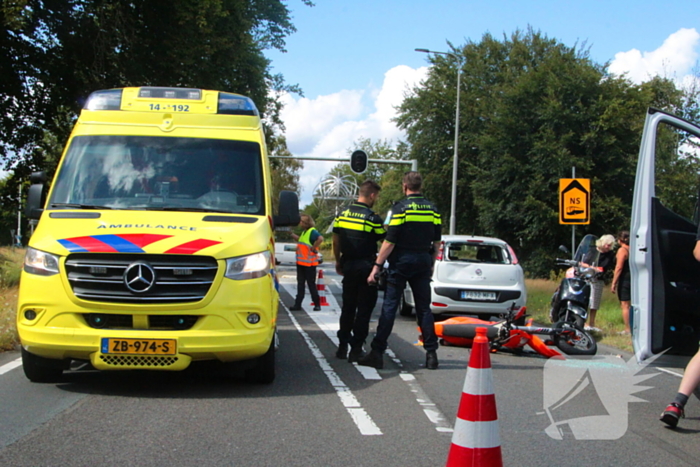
<point>321,411</point>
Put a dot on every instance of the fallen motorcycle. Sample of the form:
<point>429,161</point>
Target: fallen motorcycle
<point>504,334</point>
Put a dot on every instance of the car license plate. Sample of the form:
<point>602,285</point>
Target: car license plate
<point>139,346</point>
<point>472,295</point>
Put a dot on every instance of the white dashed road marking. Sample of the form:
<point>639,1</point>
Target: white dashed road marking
<point>328,320</point>
<point>363,421</point>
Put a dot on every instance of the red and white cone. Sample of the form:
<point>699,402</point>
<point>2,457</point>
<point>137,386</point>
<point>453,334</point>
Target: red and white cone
<point>476,440</point>
<point>321,287</point>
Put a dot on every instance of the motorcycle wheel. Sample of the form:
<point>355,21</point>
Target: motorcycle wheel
<point>573,340</point>
<point>564,315</point>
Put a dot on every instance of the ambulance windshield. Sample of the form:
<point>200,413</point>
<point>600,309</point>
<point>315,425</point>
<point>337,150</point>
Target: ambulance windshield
<point>161,173</point>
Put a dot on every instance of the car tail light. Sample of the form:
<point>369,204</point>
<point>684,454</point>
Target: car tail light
<point>438,304</point>
<point>513,257</point>
<point>441,251</point>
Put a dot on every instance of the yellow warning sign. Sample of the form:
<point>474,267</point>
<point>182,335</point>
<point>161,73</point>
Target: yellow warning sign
<point>574,201</point>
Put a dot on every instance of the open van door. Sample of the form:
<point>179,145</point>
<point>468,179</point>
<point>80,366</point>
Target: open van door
<point>665,310</point>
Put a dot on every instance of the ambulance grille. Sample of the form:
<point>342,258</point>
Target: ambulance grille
<point>162,279</point>
<point>138,361</point>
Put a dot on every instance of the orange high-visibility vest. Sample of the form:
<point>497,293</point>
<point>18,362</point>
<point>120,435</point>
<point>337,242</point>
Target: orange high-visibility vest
<point>306,257</point>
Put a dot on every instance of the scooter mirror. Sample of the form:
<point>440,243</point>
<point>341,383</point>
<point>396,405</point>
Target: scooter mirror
<point>564,249</point>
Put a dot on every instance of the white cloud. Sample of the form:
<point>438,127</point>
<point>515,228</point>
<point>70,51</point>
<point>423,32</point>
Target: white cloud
<point>673,59</point>
<point>305,119</point>
<point>327,126</point>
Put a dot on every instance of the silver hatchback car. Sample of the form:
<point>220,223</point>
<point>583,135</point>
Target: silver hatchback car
<point>473,276</point>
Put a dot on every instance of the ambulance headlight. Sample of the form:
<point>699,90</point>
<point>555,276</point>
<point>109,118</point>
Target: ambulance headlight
<point>40,262</point>
<point>248,267</point>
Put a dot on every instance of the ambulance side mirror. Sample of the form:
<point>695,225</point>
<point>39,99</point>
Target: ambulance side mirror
<point>288,210</point>
<point>35,195</point>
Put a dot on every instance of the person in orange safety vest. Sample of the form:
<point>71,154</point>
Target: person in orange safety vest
<point>307,260</point>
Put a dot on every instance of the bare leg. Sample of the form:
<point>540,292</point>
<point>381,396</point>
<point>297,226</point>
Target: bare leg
<point>591,317</point>
<point>626,314</point>
<point>691,378</point>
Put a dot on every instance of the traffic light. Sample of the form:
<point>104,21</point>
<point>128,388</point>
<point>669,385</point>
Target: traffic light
<point>358,161</point>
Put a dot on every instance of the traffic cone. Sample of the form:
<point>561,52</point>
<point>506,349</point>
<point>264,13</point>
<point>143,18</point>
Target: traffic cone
<point>476,441</point>
<point>321,287</point>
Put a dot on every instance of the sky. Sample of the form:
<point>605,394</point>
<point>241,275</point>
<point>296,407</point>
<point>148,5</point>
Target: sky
<point>355,59</point>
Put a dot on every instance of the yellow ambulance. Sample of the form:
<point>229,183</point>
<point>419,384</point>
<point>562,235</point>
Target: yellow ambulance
<point>154,246</point>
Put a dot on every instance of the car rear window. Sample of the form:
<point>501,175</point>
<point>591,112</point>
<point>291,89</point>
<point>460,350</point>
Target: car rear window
<point>476,253</point>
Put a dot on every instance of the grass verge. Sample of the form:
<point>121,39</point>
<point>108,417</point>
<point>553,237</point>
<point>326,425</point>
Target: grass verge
<point>608,318</point>
<point>10,268</point>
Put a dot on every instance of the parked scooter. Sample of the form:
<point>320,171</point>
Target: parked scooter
<point>570,300</point>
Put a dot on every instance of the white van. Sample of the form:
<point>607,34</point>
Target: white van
<point>665,313</point>
<point>286,253</point>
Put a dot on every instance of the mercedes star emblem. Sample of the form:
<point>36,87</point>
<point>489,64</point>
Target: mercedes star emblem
<point>139,277</point>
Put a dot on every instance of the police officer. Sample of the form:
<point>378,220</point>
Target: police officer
<point>411,246</point>
<point>307,260</point>
<point>356,232</point>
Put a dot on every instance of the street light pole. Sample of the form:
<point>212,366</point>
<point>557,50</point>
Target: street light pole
<point>453,217</point>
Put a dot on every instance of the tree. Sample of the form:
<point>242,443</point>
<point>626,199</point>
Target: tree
<point>53,53</point>
<point>285,173</point>
<point>531,109</point>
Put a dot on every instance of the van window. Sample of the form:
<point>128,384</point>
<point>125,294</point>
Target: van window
<point>161,173</point>
<point>676,170</point>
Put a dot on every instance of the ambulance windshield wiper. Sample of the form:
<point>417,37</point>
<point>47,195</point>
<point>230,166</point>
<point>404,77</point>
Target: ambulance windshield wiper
<point>184,209</point>
<point>78,206</point>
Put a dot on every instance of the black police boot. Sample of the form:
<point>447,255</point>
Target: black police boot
<point>355,354</point>
<point>431,360</point>
<point>373,359</point>
<point>342,351</point>
<point>295,307</point>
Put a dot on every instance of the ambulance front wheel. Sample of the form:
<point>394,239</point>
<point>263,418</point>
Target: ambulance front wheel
<point>264,370</point>
<point>41,370</point>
